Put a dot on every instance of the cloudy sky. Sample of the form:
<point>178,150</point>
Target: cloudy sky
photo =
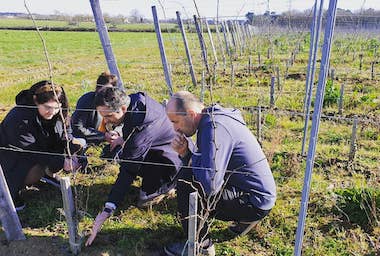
<point>206,8</point>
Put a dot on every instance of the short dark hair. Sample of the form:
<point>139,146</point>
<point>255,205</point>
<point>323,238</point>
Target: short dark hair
<point>106,78</point>
<point>111,97</point>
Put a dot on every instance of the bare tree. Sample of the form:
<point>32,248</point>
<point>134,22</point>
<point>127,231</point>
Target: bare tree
<point>136,16</point>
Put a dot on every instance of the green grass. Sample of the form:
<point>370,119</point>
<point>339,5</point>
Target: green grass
<point>85,25</point>
<point>77,59</point>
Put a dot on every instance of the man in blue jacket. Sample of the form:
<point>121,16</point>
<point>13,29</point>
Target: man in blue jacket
<point>145,148</point>
<point>228,168</point>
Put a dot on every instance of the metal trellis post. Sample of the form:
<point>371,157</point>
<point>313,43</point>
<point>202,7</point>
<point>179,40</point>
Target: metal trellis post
<point>105,40</point>
<point>192,231</point>
<point>329,31</point>
<point>8,215</point>
<point>202,44</point>
<point>190,62</point>
<point>314,39</point>
<point>164,61</point>
<point>68,206</point>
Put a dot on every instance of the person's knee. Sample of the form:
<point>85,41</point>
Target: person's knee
<point>35,174</point>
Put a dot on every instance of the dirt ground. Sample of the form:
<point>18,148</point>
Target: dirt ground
<point>34,246</point>
<point>54,246</point>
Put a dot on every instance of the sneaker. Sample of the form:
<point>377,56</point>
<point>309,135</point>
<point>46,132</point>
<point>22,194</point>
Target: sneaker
<point>166,190</point>
<point>242,228</point>
<point>181,248</point>
<point>51,180</point>
<point>19,203</point>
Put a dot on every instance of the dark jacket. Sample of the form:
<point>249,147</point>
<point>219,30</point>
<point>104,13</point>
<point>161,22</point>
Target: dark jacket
<point>224,143</point>
<point>86,120</point>
<point>23,128</point>
<point>146,129</point>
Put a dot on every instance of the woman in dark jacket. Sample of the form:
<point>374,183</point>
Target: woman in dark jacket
<point>33,138</point>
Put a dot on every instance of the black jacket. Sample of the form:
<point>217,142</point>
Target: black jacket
<point>86,120</point>
<point>24,129</point>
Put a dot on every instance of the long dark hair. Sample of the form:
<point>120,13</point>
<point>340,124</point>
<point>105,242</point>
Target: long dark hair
<point>43,92</point>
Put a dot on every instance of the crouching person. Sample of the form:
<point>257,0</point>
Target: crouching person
<point>33,140</point>
<point>88,124</point>
<point>229,169</point>
<point>145,149</point>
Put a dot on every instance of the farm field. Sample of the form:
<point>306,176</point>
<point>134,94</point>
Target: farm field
<point>19,23</point>
<point>344,207</point>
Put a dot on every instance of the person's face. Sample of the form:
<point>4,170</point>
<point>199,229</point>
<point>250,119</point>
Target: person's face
<point>184,124</point>
<point>110,116</point>
<point>48,109</point>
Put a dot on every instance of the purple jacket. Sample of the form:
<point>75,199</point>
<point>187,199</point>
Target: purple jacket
<point>227,151</point>
<point>146,129</point>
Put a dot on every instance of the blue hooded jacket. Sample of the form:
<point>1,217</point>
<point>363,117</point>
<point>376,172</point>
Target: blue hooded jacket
<point>227,151</point>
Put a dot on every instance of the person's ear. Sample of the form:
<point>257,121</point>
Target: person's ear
<point>35,99</point>
<point>124,108</point>
<point>191,113</point>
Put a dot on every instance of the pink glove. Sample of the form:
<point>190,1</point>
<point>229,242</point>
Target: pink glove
<point>100,219</point>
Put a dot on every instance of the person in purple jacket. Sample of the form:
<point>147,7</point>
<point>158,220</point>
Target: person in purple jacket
<point>145,148</point>
<point>228,168</point>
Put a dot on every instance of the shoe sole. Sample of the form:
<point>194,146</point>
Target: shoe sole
<point>208,253</point>
<point>157,200</point>
<point>20,208</point>
<point>48,181</point>
<point>246,230</point>
<point>168,253</point>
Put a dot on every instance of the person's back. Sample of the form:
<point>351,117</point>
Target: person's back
<point>247,162</point>
<point>86,120</point>
<point>229,170</point>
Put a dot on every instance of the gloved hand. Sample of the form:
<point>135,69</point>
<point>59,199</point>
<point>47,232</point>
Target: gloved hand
<point>100,219</point>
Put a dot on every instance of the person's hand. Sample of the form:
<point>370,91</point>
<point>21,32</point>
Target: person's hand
<point>111,136</point>
<point>71,164</point>
<point>100,219</point>
<point>116,142</point>
<point>180,144</point>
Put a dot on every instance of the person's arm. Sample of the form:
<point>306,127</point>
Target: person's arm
<point>24,138</point>
<point>210,164</point>
<point>132,156</point>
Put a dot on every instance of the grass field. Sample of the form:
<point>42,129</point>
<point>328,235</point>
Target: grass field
<point>72,25</point>
<point>343,216</point>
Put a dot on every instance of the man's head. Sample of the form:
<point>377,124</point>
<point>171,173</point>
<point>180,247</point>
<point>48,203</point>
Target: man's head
<point>106,79</point>
<point>112,104</point>
<point>185,112</point>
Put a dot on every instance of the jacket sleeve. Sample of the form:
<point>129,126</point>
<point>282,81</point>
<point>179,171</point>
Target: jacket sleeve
<point>134,152</point>
<point>81,127</point>
<point>24,138</point>
<point>214,152</point>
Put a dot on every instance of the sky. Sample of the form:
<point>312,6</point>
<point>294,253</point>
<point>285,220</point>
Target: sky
<point>207,8</point>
